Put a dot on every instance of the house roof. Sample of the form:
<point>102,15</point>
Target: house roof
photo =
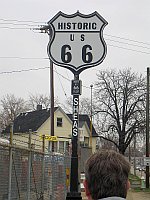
<point>33,120</point>
<point>29,120</point>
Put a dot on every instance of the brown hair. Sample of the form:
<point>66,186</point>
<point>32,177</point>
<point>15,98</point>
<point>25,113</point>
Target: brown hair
<point>106,174</point>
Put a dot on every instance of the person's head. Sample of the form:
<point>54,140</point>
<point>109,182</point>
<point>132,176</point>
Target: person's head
<point>106,175</point>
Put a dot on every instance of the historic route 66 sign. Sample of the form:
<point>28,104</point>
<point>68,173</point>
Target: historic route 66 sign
<point>77,40</point>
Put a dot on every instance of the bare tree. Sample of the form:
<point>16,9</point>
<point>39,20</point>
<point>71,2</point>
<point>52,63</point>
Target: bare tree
<point>120,96</point>
<point>2,122</point>
<point>85,106</point>
<point>11,107</point>
<point>40,99</point>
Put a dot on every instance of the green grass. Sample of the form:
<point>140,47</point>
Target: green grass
<point>141,190</point>
<point>133,177</point>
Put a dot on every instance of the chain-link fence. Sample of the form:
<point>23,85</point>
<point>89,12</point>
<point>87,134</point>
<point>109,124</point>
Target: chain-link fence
<point>28,174</point>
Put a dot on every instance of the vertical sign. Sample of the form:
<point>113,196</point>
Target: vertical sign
<point>76,87</point>
<point>74,157</point>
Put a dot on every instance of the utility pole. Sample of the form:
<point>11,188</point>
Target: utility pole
<point>129,153</point>
<point>147,128</point>
<point>47,29</point>
<point>52,102</point>
<point>135,154</point>
<point>91,119</point>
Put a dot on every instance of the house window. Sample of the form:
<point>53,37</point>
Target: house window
<point>55,146</point>
<point>86,141</point>
<point>67,146</point>
<point>59,122</point>
<point>61,146</point>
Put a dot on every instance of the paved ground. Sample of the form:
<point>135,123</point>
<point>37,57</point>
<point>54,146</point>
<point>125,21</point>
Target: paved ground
<point>131,195</point>
<point>138,195</point>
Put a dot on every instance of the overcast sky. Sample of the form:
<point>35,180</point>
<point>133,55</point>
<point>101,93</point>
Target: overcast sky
<point>127,36</point>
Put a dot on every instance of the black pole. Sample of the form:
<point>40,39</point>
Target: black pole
<point>74,176</point>
<point>147,128</point>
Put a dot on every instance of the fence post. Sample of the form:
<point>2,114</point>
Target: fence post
<point>43,166</point>
<point>10,161</point>
<point>29,166</point>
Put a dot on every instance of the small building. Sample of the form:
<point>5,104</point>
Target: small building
<point>38,122</point>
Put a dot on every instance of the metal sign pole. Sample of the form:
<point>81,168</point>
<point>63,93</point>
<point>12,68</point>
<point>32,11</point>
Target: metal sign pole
<point>77,44</point>
<point>147,128</point>
<point>74,179</point>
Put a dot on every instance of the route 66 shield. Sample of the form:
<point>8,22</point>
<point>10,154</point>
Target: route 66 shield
<point>77,40</point>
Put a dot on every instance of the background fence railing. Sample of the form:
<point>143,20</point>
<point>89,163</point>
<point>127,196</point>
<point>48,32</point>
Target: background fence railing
<point>31,174</point>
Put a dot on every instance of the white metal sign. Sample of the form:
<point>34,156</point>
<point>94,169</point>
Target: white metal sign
<point>147,161</point>
<point>77,40</point>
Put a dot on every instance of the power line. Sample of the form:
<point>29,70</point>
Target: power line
<point>17,22</point>
<point>22,21</point>
<point>128,39</point>
<point>36,69</point>
<point>23,70</point>
<point>41,68</point>
<point>63,76</point>
<point>69,79</point>
<point>22,28</point>
<point>10,23</point>
<point>139,51</point>
<point>32,29</point>
<point>128,44</point>
<point>23,58</point>
<point>61,82</point>
<point>36,58</point>
<point>31,69</point>
<point>144,52</point>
